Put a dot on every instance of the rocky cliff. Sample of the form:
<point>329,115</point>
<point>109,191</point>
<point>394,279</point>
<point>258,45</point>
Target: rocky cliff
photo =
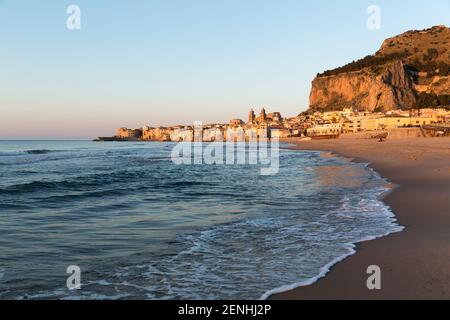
<point>410,70</point>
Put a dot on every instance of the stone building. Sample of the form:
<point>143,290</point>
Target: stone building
<point>324,130</point>
<point>213,134</point>
<point>129,134</point>
<point>185,134</point>
<point>156,134</point>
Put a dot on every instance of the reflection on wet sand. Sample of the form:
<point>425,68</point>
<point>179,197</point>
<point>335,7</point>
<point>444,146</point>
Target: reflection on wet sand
<point>343,176</point>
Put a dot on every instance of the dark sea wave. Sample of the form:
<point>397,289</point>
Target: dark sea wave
<point>42,151</point>
<point>28,152</point>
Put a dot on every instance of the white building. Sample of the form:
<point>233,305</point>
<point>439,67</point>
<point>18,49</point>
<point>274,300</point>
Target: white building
<point>182,134</point>
<point>213,134</point>
<point>325,130</point>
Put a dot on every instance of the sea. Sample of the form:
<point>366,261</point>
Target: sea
<point>139,226</point>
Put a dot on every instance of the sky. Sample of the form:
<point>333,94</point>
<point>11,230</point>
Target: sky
<point>167,62</point>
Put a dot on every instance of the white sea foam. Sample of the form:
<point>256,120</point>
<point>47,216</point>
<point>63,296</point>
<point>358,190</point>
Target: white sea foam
<point>376,202</point>
<point>327,268</point>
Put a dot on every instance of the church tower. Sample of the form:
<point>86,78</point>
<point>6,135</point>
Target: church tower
<point>251,116</point>
<point>263,116</point>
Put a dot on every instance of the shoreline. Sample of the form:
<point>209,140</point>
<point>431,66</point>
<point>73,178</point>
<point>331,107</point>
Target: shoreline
<point>351,246</point>
<point>414,262</point>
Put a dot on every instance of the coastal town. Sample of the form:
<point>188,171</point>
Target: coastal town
<point>308,125</point>
<point>402,90</point>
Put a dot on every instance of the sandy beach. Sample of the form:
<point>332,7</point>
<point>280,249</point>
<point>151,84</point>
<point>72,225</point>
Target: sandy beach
<point>415,263</point>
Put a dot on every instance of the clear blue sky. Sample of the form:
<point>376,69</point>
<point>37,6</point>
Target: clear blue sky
<point>163,62</point>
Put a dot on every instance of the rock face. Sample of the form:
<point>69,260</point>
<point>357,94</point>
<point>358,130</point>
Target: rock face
<point>365,90</point>
<point>407,65</point>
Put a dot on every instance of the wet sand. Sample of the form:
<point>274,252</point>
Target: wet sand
<point>415,263</point>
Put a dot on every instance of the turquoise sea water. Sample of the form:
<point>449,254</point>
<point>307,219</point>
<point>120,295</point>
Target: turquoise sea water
<point>140,227</point>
